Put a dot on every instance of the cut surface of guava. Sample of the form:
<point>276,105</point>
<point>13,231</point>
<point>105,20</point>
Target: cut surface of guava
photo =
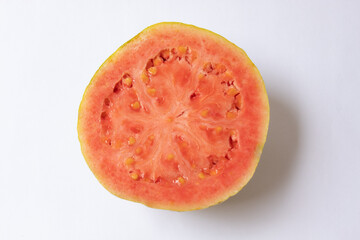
<point>175,119</point>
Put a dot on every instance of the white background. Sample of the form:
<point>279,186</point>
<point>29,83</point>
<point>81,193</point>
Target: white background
<point>307,183</point>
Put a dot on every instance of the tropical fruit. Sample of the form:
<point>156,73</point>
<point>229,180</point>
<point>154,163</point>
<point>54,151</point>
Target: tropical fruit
<point>175,119</point>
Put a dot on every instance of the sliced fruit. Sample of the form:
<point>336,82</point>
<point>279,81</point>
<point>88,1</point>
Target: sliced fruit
<point>175,119</point>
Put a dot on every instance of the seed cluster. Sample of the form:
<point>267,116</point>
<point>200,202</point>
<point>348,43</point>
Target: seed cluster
<point>139,151</point>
